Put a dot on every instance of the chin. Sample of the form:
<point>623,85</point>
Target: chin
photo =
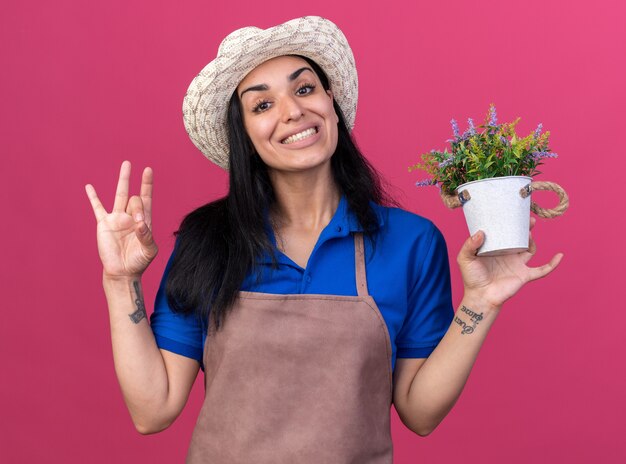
<point>302,166</point>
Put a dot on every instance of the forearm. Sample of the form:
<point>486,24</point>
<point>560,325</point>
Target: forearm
<point>139,366</point>
<point>440,380</point>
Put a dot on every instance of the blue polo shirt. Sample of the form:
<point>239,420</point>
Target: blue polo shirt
<point>408,276</point>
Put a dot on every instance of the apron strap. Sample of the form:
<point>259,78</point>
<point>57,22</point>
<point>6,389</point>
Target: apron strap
<point>359,261</point>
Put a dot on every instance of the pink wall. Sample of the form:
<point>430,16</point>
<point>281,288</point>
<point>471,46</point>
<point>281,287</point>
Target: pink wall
<point>86,85</point>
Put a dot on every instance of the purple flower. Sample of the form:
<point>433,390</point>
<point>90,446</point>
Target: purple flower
<point>538,131</point>
<point>493,117</point>
<point>537,155</point>
<point>504,140</point>
<point>455,128</point>
<point>424,182</point>
<point>471,130</point>
<point>446,162</point>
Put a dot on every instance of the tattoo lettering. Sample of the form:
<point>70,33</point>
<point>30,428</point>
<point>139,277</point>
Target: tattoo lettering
<point>475,318</point>
<point>140,313</point>
<point>467,329</point>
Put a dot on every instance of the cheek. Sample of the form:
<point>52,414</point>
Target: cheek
<point>335,137</point>
<point>335,121</point>
<point>259,130</point>
<point>333,130</point>
<point>332,114</point>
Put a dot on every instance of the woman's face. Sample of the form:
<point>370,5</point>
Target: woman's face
<point>288,115</point>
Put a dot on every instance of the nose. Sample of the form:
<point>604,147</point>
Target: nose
<point>291,109</point>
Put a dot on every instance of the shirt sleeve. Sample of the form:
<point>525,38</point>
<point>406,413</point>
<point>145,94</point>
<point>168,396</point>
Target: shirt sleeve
<point>430,310</point>
<point>178,333</point>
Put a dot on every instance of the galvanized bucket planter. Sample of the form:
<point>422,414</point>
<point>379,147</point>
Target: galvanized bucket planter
<point>500,207</point>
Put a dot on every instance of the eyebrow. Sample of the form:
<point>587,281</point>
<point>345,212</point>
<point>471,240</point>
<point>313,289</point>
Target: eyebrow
<point>292,77</point>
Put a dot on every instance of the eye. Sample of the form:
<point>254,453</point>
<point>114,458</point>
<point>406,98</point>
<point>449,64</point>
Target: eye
<point>305,89</point>
<point>261,106</point>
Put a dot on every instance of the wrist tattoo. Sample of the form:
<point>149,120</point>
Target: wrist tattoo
<point>475,318</point>
<point>140,313</point>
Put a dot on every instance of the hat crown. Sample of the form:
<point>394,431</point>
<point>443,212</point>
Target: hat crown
<point>236,38</point>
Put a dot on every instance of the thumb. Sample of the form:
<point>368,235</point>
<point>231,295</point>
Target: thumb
<point>471,246</point>
<point>144,235</point>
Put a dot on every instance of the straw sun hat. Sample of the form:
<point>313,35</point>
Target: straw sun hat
<point>206,103</point>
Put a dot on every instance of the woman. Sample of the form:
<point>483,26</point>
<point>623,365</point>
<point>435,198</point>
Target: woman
<point>299,294</point>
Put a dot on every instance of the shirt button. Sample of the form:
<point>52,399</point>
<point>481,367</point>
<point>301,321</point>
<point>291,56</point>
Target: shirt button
<point>338,228</point>
<point>308,278</point>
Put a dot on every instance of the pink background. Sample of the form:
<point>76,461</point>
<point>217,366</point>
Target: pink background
<point>86,85</point>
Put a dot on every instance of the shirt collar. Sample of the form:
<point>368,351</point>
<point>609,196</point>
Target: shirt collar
<point>349,220</point>
<point>343,222</point>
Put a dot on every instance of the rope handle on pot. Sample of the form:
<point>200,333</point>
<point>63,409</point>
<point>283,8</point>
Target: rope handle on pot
<point>454,201</point>
<point>551,186</point>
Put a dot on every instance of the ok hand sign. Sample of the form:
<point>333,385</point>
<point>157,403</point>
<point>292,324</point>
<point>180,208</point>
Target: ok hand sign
<point>125,241</point>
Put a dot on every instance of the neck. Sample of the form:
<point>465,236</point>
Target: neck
<point>306,200</point>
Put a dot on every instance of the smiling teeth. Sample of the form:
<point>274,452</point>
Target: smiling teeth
<point>300,136</point>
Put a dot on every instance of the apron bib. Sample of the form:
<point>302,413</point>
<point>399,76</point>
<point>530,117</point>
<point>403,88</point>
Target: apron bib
<point>297,379</point>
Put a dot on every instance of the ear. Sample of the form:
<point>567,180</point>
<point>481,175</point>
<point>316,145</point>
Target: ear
<point>330,94</point>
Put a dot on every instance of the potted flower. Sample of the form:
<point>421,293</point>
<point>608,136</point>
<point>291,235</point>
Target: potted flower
<point>489,173</point>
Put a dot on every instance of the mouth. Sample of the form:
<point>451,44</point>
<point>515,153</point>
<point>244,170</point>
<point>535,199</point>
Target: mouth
<point>300,136</point>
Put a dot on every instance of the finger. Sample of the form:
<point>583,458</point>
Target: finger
<point>147,180</point>
<point>532,245</point>
<point>542,271</point>
<point>121,193</point>
<point>135,208</point>
<point>144,235</point>
<point>96,205</point>
<point>470,247</point>
<point>532,249</point>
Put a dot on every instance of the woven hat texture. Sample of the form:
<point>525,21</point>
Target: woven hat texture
<point>206,103</point>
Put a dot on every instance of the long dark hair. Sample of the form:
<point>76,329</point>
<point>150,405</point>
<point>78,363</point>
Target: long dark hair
<point>218,244</point>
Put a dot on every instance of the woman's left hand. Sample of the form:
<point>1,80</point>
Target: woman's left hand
<point>495,279</point>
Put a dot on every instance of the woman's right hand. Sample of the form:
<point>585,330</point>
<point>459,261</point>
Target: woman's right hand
<point>125,241</point>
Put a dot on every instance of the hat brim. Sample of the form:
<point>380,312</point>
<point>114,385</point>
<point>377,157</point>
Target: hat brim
<point>206,103</point>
